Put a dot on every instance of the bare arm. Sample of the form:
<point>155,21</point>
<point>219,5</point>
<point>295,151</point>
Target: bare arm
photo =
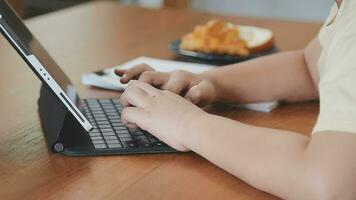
<point>282,163</point>
<point>288,76</point>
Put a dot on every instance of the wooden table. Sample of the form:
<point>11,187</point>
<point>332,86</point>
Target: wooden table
<point>99,35</point>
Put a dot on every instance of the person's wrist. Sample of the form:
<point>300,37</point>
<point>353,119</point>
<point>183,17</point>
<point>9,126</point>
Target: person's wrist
<point>191,125</point>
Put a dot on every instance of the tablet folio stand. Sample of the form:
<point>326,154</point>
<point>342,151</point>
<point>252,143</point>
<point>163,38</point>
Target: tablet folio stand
<point>62,131</point>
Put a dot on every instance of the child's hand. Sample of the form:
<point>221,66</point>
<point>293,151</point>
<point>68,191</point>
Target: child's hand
<point>133,73</point>
<point>196,88</point>
<point>162,113</point>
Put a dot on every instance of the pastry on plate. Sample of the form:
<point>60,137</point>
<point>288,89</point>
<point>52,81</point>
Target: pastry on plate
<point>221,37</point>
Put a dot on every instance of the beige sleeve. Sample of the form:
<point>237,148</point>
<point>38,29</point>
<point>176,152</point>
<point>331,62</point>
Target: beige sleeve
<point>337,86</point>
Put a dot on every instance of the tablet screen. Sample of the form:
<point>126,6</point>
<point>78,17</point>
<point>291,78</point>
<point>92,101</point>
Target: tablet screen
<point>32,51</point>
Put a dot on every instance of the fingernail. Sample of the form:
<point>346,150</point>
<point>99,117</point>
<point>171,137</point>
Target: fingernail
<point>131,125</point>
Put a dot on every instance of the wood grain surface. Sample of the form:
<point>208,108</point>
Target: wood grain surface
<point>99,35</point>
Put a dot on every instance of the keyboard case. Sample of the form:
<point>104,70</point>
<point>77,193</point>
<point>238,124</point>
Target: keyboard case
<point>65,135</point>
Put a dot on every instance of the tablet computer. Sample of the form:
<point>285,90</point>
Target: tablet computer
<point>41,63</point>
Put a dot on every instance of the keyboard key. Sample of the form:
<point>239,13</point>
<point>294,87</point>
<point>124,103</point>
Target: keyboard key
<point>94,106</point>
<point>126,139</point>
<point>94,131</point>
<point>110,110</point>
<point>106,130</point>
<point>118,105</point>
<point>101,119</point>
<point>123,127</point>
<point>94,109</point>
<point>111,118</point>
<point>110,137</point>
<point>98,113</point>
<point>104,100</point>
<point>124,135</point>
<point>94,134</point>
<point>98,142</point>
<point>99,146</point>
<point>91,100</point>
<point>112,141</point>
<point>96,138</point>
<point>103,123</point>
<point>99,116</point>
<point>117,124</point>
<point>118,145</point>
<point>94,101</point>
<point>122,131</point>
<point>107,104</point>
<point>104,126</point>
<point>109,133</point>
<point>112,115</point>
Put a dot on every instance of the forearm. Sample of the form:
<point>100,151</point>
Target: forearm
<point>283,76</point>
<point>270,160</point>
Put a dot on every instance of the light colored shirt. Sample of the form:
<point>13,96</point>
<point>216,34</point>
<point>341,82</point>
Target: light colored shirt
<point>337,70</point>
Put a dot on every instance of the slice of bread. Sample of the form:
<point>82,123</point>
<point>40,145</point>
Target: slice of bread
<point>257,39</point>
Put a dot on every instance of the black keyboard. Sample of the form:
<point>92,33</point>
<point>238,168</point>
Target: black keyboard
<point>109,132</point>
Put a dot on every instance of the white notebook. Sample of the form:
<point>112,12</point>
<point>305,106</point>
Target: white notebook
<point>107,79</point>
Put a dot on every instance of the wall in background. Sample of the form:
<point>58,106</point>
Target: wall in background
<point>145,3</point>
<point>301,10</point>
<point>310,10</point>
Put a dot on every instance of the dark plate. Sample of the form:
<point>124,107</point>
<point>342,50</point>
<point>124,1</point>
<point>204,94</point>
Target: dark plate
<point>217,59</point>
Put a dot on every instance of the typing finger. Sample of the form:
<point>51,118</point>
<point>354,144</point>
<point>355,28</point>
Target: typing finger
<point>147,88</point>
<point>154,78</point>
<point>177,82</point>
<point>120,72</point>
<point>199,94</point>
<point>133,72</point>
<point>135,96</point>
<point>133,117</point>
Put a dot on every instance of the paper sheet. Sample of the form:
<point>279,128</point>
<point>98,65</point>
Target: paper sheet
<point>108,80</point>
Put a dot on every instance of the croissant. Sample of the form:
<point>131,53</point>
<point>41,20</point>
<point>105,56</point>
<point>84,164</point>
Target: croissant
<point>217,37</point>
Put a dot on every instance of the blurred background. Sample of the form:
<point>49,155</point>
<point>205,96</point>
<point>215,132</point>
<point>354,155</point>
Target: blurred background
<point>301,10</point>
